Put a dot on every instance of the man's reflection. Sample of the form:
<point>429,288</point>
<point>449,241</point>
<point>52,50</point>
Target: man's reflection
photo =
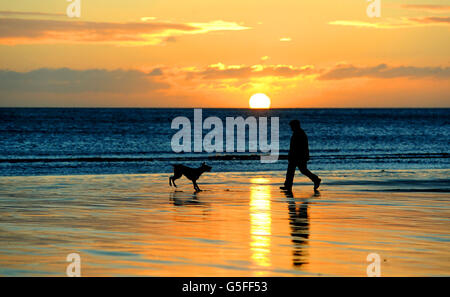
<point>299,223</point>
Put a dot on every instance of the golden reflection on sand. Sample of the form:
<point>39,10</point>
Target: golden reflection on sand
<point>260,222</point>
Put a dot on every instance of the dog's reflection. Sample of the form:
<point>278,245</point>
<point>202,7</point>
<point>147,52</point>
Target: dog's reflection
<point>180,198</point>
<point>299,223</point>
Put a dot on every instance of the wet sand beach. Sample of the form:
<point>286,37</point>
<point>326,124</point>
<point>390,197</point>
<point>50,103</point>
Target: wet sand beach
<point>240,225</point>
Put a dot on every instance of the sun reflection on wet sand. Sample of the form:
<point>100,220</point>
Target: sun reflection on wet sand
<point>260,222</point>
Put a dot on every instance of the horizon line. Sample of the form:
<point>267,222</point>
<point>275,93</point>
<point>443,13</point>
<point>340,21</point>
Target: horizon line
<point>169,107</point>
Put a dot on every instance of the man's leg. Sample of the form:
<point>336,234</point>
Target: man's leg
<point>304,170</point>
<point>290,175</point>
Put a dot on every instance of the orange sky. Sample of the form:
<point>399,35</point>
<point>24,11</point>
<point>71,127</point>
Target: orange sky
<point>198,53</point>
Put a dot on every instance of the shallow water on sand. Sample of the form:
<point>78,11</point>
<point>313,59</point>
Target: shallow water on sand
<point>241,225</point>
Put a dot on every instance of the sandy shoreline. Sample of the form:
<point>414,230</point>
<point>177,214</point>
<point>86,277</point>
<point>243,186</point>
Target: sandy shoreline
<point>241,225</point>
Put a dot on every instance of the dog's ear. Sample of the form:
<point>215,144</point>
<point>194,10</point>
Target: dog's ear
<point>203,164</point>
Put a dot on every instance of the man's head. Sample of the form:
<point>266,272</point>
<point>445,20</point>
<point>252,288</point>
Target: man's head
<point>295,125</point>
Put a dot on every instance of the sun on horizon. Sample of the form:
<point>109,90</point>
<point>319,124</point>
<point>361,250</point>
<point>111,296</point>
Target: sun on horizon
<point>259,101</point>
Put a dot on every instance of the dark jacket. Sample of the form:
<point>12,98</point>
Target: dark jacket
<point>299,149</point>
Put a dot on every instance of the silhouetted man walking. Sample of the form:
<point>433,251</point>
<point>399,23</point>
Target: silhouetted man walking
<point>298,157</point>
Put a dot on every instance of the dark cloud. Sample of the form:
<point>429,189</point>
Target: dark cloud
<point>431,20</point>
<point>156,72</point>
<point>410,22</point>
<point>217,73</point>
<point>240,72</point>
<point>287,71</point>
<point>28,31</point>
<point>427,7</point>
<point>30,13</point>
<point>65,80</point>
<point>17,30</point>
<point>385,71</point>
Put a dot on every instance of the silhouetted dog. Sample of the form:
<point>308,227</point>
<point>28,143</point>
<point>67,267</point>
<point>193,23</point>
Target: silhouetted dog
<point>191,173</point>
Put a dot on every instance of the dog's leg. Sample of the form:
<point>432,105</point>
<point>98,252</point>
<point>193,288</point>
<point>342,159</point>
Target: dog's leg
<point>172,181</point>
<point>196,187</point>
<point>176,175</point>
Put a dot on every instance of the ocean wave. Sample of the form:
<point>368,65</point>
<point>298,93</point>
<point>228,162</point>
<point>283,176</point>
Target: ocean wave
<point>225,157</point>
